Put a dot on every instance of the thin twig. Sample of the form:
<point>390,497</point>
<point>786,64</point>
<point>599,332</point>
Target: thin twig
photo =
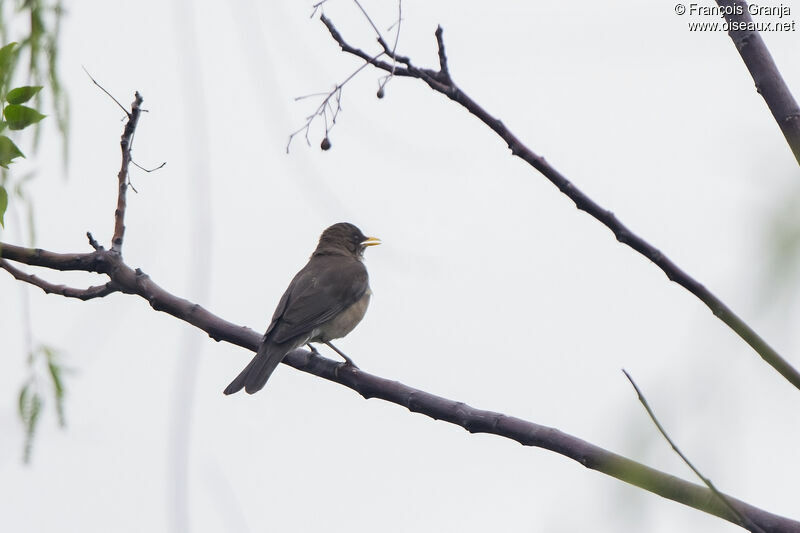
<point>95,291</point>
<point>325,109</point>
<point>369,19</point>
<point>317,6</point>
<point>440,81</point>
<point>137,165</point>
<point>744,521</point>
<point>385,79</point>
<point>322,109</point>
<point>312,95</point>
<point>105,91</point>
<point>398,23</point>
<point>93,242</point>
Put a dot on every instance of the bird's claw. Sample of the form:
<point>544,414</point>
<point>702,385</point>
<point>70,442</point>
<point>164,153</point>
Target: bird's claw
<point>313,349</point>
<point>348,362</point>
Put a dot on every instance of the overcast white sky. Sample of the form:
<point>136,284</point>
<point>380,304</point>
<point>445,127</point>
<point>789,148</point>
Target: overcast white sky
<point>490,288</point>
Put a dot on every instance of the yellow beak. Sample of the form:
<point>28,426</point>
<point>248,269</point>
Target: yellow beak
<point>371,241</point>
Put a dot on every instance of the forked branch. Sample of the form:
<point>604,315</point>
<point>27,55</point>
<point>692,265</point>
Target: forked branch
<point>441,81</point>
<point>123,278</point>
<point>134,281</point>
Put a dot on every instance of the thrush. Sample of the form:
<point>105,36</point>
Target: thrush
<point>324,301</point>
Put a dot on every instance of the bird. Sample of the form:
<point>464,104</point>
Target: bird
<point>326,299</point>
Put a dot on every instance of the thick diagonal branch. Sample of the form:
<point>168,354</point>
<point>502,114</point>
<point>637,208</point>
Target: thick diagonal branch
<point>769,82</point>
<point>128,280</point>
<point>441,82</point>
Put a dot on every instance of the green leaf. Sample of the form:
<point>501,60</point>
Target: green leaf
<point>8,151</point>
<point>3,204</point>
<point>6,59</point>
<point>23,401</point>
<point>20,116</point>
<point>30,424</point>
<point>55,374</point>
<point>20,95</point>
<point>36,410</point>
<point>58,389</point>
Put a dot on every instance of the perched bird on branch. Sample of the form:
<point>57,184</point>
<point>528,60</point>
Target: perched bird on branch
<point>324,301</point>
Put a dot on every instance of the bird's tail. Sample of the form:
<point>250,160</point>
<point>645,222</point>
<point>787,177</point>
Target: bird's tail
<point>257,372</point>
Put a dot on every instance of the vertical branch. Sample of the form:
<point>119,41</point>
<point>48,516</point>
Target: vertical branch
<point>444,71</point>
<point>125,144</point>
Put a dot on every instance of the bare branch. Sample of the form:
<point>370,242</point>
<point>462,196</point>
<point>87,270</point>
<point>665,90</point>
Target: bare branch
<point>369,19</point>
<point>92,241</point>
<point>105,91</point>
<point>325,106</point>
<point>87,262</point>
<point>316,7</point>
<point>125,279</point>
<point>765,73</point>
<point>126,144</point>
<point>441,82</point>
<point>96,291</point>
<point>122,178</point>
<point>444,71</point>
<point>148,170</point>
<point>393,51</point>
<point>744,521</point>
<point>474,420</point>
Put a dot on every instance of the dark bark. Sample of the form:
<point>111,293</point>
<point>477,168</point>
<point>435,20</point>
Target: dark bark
<point>441,81</point>
<point>134,281</point>
<point>769,82</point>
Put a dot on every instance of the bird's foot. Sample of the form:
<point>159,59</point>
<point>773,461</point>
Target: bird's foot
<point>313,349</point>
<point>347,360</point>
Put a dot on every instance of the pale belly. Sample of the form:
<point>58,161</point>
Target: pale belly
<point>344,322</point>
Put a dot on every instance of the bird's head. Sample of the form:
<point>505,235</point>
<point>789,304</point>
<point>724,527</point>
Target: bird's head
<point>344,237</point>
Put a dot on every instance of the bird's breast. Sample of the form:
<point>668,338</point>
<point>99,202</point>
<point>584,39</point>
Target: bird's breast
<point>344,322</point>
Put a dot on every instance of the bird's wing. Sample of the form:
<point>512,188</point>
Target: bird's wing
<point>326,286</point>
